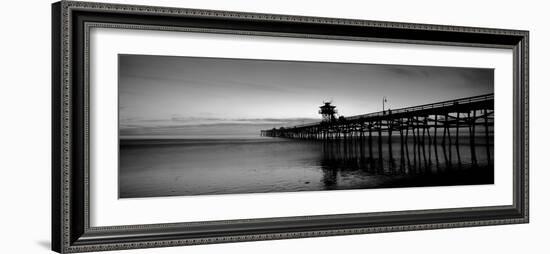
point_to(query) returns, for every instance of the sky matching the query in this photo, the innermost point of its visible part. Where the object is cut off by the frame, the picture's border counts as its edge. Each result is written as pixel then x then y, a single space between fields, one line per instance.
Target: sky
pixel 215 97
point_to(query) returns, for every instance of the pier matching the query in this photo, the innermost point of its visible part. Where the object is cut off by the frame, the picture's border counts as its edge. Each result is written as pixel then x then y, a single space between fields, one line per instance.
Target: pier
pixel 422 127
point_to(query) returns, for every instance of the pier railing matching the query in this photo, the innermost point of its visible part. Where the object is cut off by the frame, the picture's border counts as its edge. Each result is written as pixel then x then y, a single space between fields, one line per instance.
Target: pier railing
pixel 468 102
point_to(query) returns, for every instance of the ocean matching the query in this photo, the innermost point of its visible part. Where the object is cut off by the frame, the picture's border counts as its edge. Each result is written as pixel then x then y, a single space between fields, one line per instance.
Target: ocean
pixel 206 166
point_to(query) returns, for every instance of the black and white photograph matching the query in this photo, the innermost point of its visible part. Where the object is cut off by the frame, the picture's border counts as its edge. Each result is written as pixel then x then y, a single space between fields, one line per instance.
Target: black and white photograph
pixel 275 127
pixel 205 126
pixel 227 127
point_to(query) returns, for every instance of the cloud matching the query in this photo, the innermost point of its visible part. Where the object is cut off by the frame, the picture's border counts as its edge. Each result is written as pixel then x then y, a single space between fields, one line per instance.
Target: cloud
pixel 207 127
pixel 181 122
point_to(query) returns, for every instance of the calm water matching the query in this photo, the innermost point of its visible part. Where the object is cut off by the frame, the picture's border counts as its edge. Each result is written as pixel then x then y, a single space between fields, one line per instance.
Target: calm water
pixel 152 168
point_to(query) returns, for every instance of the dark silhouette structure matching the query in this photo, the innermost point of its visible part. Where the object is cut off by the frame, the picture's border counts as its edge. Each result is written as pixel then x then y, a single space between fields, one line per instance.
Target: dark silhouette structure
pixel 328 112
pixel 429 124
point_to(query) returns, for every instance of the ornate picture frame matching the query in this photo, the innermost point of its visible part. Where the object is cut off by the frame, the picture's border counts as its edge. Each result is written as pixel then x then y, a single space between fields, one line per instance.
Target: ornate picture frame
pixel 71 229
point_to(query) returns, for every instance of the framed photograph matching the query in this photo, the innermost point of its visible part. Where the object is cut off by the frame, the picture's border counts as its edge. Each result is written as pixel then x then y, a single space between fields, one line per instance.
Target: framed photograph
pixel 182 126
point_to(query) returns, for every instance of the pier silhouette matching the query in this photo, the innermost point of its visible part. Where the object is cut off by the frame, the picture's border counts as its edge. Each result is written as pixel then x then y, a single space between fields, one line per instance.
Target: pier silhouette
pixel 423 133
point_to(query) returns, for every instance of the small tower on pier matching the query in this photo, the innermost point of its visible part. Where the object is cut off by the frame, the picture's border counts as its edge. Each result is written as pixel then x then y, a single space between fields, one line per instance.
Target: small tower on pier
pixel 328 112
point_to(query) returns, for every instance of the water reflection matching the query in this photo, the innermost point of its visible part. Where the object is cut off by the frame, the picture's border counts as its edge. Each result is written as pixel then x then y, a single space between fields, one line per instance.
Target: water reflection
pixel 204 167
pixel 404 162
